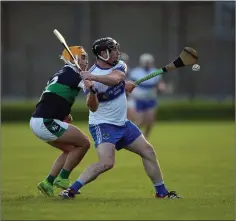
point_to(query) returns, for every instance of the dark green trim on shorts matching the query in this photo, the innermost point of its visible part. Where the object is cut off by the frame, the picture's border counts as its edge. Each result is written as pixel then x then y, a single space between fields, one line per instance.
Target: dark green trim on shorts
pixel 53 127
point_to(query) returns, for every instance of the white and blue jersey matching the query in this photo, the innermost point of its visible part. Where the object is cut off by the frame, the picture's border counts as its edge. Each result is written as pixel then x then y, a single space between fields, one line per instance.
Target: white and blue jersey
pixel 109 123
pixel 112 107
pixel 145 94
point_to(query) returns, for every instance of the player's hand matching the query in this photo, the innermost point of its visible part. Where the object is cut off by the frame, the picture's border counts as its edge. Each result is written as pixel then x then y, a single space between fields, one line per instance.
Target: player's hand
pixel 88 84
pixel 86 75
pixel 129 86
pixel 68 119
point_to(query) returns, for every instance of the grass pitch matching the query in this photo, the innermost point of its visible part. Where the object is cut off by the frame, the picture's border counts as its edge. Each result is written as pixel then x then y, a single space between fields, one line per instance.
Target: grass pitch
pixel 197 160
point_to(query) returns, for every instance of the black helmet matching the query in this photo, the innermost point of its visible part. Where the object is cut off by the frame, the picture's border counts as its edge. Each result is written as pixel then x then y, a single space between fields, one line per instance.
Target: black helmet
pixel 105 44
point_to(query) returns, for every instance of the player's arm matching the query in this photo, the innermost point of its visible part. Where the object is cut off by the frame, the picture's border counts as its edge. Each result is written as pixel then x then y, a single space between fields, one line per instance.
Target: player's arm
pixel 92 99
pixel 129 83
pixel 115 77
pixel 74 80
pixel 129 86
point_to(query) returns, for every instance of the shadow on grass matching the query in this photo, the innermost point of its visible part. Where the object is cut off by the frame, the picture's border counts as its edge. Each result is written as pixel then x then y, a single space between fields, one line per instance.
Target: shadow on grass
pixel 31 199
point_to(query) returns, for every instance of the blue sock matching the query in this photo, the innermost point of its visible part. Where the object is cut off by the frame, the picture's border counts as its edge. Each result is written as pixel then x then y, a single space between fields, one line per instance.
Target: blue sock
pixel 160 188
pixel 77 185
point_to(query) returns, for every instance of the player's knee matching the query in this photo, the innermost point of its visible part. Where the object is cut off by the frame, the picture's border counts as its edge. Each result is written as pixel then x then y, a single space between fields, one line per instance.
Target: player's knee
pixel 67 149
pixel 86 143
pixel 149 152
pixel 107 165
pixel 139 122
pixel 149 121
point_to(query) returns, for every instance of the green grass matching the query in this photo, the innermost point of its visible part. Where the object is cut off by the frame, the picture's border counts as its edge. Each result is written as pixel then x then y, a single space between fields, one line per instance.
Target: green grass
pixel 197 160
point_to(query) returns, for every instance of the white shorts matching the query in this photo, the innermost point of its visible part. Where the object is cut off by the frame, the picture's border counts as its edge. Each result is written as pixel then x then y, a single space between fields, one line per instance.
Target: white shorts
pixel 48 129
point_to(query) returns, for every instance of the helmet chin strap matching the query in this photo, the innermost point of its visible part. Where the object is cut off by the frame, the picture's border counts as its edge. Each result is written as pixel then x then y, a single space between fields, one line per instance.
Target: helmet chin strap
pixel 106 59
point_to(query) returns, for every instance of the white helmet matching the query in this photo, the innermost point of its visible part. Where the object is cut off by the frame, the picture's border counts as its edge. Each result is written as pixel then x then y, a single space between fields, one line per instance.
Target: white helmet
pixel 146 58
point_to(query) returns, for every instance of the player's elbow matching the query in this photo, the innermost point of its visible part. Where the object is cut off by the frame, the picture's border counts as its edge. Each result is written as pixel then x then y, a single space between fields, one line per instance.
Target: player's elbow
pixel 92 105
pixel 116 81
pixel 93 108
pixel 119 79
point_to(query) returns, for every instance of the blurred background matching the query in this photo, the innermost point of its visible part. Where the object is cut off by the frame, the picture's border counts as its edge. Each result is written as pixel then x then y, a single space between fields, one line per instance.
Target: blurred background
pixel 194 132
pixel 30 51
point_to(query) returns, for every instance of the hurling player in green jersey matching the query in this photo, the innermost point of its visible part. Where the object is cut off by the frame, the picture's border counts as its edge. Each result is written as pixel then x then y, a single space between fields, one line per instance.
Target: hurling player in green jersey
pixel 51 120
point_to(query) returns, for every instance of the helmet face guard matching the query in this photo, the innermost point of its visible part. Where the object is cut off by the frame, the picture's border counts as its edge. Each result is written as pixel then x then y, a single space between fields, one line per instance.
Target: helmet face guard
pixel 105 44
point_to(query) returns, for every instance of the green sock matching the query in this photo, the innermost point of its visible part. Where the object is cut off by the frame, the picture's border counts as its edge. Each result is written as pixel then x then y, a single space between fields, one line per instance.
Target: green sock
pixel 64 174
pixel 50 178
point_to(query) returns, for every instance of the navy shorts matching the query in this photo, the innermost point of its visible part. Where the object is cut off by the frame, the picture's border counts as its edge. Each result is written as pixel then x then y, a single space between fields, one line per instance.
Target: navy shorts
pixel 120 136
pixel 142 105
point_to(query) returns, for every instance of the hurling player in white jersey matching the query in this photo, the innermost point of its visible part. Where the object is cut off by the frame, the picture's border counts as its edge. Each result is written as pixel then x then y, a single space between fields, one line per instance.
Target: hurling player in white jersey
pixel 109 126
pixel 144 96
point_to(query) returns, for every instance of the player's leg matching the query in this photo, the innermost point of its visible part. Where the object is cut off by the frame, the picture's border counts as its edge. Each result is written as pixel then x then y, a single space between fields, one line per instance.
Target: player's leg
pixel 76 144
pixel 139 118
pixel 140 112
pixel 46 185
pixel 58 165
pixel 131 110
pixel 143 148
pixel 149 121
pixel 59 162
pixel 70 140
pixel 146 108
pixel 136 143
pixel 105 137
pixel 106 156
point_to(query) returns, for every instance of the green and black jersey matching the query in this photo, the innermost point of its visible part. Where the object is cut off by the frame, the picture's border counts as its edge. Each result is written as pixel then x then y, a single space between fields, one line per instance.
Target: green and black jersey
pixel 59 95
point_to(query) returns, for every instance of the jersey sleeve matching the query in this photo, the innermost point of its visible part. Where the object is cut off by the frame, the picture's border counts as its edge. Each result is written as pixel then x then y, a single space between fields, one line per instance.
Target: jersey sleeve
pixel 86 91
pixel 71 78
pixel 121 66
